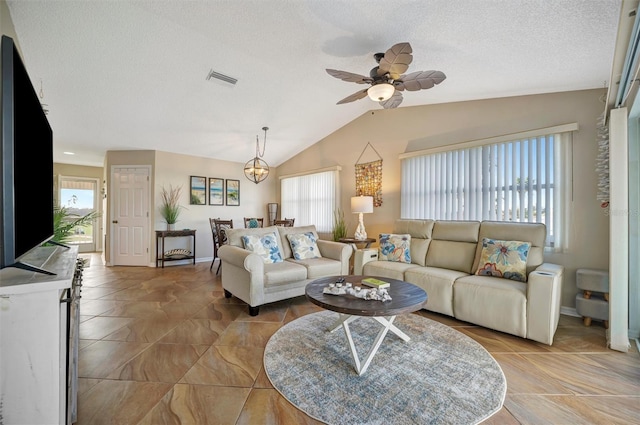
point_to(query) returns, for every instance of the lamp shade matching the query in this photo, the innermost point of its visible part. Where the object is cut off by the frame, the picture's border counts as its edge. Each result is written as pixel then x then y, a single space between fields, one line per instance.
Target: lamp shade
pixel 362 204
pixel 381 91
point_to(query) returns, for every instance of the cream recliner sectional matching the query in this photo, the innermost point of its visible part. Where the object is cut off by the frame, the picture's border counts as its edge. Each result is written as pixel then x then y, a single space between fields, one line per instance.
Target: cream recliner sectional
pixel 444 258
pixel 245 274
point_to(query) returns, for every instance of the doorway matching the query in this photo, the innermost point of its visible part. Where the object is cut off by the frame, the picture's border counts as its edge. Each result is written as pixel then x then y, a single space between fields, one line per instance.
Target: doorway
pixel 79 195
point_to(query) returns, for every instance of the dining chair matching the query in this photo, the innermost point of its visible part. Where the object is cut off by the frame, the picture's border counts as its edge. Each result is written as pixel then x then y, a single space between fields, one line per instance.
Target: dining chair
pixel 250 222
pixel 219 228
pixel 285 222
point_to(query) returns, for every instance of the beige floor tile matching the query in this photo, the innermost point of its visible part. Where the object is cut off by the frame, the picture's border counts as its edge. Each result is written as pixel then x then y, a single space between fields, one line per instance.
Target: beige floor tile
pixel 101 358
pixel 144 330
pixel 99 327
pixel 198 404
pixel 254 334
pixel 195 331
pixel 226 366
pixel 267 406
pixel 160 363
pixel 119 402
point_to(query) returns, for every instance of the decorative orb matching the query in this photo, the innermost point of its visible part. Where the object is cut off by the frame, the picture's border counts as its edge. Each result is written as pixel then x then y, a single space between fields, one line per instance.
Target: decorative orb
pixel 256 170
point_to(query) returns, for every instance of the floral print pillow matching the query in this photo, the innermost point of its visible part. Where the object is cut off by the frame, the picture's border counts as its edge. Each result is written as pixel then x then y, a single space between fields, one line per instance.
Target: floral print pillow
pixel 304 246
pixel 265 246
pixel 395 248
pixel 506 259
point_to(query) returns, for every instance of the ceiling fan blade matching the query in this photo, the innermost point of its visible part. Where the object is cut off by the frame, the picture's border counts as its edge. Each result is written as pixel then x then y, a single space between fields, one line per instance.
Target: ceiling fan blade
pixel 356 96
pixel 396 60
pixel 393 102
pixel 349 76
pixel 420 80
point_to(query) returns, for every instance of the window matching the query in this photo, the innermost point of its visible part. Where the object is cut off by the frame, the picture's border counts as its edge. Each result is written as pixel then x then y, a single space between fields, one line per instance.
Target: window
pixel 311 198
pixel 524 179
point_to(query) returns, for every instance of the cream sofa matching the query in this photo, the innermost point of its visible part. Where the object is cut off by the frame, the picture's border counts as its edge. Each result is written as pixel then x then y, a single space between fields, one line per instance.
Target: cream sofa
pixel 444 258
pixel 245 274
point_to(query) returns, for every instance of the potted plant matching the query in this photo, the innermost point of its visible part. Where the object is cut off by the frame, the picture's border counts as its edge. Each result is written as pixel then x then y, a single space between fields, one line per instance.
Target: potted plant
pixel 169 205
pixel 64 223
pixel 339 226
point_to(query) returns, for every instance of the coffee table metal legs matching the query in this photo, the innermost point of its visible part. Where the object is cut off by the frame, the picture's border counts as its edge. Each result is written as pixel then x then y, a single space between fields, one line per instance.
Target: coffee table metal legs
pixel 387 325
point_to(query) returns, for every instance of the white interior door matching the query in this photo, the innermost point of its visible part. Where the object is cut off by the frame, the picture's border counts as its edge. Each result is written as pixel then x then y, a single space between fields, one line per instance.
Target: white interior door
pixel 130 216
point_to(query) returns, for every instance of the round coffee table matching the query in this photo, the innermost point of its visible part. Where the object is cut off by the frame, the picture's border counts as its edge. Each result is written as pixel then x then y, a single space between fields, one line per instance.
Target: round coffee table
pixel 405 298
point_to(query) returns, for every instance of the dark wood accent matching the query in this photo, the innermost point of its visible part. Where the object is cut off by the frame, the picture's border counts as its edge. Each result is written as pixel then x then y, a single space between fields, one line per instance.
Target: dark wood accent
pixel 405 297
pixel 161 234
pixel 253 311
pixel 227 294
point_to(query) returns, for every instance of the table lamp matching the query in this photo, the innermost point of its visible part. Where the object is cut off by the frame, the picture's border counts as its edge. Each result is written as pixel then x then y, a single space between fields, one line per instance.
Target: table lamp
pixel 360 205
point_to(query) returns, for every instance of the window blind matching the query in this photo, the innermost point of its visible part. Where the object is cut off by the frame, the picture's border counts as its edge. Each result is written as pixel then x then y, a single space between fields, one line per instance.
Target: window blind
pixel 522 180
pixel 310 198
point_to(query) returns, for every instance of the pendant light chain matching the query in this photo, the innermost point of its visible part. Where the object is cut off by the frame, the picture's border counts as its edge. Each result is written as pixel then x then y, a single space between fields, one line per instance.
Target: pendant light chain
pixel 264 146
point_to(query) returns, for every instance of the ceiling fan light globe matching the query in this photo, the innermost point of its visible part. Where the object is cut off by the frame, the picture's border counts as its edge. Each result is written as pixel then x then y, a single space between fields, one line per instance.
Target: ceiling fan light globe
pixel 381 92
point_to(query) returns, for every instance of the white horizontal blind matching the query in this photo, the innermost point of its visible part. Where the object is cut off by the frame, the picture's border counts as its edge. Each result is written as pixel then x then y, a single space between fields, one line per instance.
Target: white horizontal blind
pixel 517 180
pixel 310 198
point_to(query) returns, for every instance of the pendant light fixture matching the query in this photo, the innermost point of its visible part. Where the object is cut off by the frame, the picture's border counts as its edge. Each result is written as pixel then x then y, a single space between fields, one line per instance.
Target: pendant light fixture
pixel 257 169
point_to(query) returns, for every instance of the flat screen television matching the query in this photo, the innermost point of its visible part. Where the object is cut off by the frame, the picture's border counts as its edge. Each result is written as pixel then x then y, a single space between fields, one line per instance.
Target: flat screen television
pixel 26 179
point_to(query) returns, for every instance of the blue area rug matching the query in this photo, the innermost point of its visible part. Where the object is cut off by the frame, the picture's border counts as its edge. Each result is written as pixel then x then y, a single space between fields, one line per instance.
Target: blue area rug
pixel 440 376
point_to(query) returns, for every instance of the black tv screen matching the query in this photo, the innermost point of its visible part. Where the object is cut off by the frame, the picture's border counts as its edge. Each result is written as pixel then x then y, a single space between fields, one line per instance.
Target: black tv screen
pixel 27 162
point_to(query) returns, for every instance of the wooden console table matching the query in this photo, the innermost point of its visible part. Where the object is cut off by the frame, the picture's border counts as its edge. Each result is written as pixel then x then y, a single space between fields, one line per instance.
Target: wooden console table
pixel 161 234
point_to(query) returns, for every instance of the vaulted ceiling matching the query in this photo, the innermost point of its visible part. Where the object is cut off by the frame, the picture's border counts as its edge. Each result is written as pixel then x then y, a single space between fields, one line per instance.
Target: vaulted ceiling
pixel 121 75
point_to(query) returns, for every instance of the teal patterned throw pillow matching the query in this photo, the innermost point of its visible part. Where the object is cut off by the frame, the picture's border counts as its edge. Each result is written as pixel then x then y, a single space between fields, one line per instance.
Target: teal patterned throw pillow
pixel 304 246
pixel 395 248
pixel 506 259
pixel 253 223
pixel 265 246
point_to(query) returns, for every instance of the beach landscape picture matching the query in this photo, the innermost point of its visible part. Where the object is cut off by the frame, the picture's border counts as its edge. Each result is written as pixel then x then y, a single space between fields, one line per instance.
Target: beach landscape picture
pixel 197 195
pixel 216 189
pixel 233 192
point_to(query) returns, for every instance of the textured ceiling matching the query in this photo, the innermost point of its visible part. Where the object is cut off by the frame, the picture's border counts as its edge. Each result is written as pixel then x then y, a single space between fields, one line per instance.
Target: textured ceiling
pixel 121 75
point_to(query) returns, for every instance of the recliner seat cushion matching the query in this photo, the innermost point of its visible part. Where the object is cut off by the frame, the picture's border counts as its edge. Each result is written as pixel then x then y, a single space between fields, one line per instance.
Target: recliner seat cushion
pixel 492 302
pixel 390 269
pixel 438 284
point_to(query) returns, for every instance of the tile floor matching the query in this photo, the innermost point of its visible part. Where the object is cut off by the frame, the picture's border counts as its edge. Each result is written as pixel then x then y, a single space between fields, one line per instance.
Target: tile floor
pixel 163 346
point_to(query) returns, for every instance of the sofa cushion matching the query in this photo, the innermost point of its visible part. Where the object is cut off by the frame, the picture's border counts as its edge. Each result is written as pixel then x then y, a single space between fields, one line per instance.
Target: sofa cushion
pixel 234 236
pixel 438 284
pixel 319 267
pixel 395 248
pixel 506 259
pixel 283 273
pixel 535 233
pixel 284 231
pixel 459 238
pixel 266 246
pixel 492 302
pixel 390 269
pixel 303 245
pixel 420 231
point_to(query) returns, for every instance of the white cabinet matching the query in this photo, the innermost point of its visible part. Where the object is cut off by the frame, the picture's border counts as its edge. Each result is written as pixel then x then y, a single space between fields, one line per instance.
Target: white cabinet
pixel 33 338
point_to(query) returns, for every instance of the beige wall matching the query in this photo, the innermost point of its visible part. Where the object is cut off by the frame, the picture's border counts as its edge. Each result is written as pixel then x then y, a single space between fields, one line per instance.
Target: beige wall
pixel 175 170
pixel 396 131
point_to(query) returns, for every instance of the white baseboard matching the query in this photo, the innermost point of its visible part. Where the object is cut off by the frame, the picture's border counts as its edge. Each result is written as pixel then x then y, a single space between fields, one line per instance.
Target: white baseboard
pixel 569 311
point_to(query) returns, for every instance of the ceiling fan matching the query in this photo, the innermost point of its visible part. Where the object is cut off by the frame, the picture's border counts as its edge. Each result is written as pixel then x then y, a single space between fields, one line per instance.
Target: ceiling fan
pixel 387 80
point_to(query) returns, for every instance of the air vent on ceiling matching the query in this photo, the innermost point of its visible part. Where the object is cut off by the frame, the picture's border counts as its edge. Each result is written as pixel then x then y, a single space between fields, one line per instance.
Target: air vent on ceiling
pixel 221 77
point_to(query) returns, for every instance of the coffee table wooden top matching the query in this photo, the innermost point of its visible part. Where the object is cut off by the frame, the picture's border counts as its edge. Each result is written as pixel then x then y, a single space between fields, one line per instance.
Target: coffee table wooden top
pixel 405 297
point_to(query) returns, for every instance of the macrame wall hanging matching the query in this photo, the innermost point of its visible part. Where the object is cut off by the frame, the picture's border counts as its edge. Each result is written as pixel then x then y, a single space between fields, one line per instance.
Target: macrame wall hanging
pixel 602 162
pixel 369 177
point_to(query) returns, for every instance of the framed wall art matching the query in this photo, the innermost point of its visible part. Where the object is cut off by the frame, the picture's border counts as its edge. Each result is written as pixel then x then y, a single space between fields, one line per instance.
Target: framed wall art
pixel 233 192
pixel 198 190
pixel 216 191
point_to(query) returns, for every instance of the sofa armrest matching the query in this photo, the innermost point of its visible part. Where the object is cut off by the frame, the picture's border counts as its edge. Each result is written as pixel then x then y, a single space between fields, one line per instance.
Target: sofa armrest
pixel 362 257
pixel 336 251
pixel 242 274
pixel 544 290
